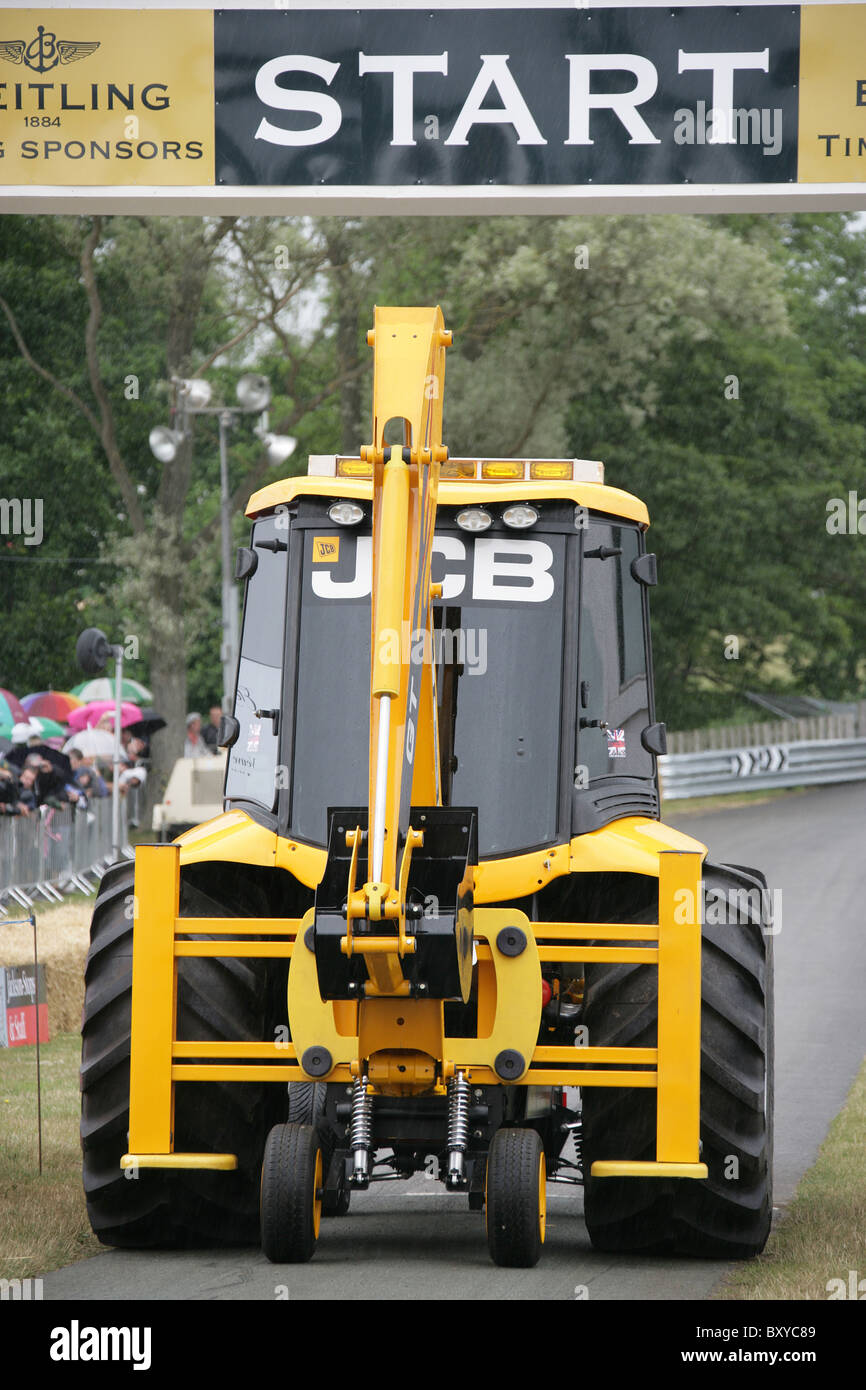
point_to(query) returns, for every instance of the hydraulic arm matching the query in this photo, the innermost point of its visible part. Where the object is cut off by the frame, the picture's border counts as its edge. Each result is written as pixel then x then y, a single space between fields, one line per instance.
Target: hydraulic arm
pixel 400 953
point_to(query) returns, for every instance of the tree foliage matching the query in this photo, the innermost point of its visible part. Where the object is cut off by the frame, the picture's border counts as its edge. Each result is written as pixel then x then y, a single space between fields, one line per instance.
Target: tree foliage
pixel 716 365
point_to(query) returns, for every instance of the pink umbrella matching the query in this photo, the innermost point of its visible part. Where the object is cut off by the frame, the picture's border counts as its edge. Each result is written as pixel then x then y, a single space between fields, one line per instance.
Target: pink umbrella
pixel 86 716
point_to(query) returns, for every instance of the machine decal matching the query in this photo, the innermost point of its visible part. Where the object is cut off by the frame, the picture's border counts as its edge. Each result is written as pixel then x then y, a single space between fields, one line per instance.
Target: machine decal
pixel 616 743
pixel 326 550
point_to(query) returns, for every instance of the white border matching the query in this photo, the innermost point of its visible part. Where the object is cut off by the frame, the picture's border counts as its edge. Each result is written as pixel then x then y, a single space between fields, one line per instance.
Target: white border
pixel 433 201
pixel 287 6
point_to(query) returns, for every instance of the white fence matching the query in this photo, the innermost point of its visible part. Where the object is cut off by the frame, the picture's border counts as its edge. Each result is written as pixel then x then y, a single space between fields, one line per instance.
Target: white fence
pixel 767 732
pixel 52 851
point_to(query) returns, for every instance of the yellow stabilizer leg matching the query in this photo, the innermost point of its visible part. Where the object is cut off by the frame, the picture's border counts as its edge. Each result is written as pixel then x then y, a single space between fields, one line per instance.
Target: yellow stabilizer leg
pixel 222 1162
pixel 623 1168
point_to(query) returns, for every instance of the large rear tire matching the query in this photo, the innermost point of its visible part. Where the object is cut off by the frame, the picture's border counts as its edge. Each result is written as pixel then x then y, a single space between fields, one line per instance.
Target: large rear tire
pixel 726 1216
pixel 218 1000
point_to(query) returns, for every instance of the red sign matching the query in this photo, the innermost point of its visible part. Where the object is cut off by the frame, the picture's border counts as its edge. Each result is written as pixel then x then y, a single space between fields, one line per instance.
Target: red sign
pixel 18 1003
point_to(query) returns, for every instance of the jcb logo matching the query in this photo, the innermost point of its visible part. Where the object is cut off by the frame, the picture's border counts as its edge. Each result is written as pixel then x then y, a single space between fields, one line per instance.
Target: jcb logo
pixel 326 550
pixel 501 569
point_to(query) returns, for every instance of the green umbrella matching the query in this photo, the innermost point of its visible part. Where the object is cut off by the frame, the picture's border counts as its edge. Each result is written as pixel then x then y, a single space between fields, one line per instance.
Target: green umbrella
pixel 102 688
pixel 50 728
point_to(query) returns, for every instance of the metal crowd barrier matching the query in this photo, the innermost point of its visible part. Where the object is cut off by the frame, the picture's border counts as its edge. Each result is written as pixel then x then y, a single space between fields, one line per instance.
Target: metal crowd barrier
pixel 718 771
pixel 52 852
pixel 55 851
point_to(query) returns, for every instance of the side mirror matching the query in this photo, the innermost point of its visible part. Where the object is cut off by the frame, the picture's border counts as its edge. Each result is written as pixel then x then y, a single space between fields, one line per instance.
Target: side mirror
pixel 228 732
pixel 645 569
pixel 92 651
pixel 246 562
pixel 655 739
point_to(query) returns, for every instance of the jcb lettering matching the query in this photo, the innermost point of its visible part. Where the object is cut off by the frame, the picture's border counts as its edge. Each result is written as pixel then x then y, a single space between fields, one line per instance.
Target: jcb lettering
pixel 503 570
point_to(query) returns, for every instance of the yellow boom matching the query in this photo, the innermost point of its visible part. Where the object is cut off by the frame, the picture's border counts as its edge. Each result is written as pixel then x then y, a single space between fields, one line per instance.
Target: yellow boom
pixel 408 383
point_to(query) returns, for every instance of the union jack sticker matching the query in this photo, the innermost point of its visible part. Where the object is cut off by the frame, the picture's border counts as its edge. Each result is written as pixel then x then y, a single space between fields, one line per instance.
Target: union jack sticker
pixel 616 743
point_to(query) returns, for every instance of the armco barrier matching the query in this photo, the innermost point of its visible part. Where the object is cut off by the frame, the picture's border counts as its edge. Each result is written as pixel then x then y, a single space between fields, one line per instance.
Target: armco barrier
pixel 55 850
pixel 51 850
pixel 721 770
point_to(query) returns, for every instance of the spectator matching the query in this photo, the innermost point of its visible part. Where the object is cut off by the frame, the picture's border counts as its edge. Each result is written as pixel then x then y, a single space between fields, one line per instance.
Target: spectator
pixel 85 775
pixel 10 803
pixel 85 781
pixel 210 732
pixel 193 746
pixel 49 786
pixel 27 795
pixel 24 736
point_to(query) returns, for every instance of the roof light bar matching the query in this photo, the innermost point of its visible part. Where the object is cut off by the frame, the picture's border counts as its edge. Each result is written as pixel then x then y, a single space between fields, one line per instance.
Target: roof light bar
pixel 467 470
pixel 503 470
pixel 353 468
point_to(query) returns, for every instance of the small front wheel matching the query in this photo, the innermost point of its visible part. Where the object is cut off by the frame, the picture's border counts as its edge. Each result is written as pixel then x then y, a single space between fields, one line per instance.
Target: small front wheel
pixel 516 1198
pixel 291 1193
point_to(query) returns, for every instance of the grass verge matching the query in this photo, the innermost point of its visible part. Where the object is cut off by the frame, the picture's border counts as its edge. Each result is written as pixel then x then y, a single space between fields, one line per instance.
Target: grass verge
pixel 63 935
pixel 687 805
pixel 43 1220
pixel 822 1235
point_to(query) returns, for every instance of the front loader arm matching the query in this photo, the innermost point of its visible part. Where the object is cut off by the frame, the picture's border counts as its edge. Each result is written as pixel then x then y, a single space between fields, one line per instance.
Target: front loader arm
pixel 408 382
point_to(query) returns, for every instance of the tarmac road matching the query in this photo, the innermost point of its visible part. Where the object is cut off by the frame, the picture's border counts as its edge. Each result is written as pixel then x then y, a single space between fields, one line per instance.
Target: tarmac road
pixel 411 1240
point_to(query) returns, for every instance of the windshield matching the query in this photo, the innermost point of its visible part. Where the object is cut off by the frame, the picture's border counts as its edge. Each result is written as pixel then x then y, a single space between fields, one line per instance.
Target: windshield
pixel 332 721
pixel 253 760
pixel 499 681
pixel 498 653
pixel 614 691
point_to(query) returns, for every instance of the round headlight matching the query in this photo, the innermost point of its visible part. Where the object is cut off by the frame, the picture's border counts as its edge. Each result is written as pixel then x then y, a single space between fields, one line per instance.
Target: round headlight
pixel 474 519
pixel 520 517
pixel 346 513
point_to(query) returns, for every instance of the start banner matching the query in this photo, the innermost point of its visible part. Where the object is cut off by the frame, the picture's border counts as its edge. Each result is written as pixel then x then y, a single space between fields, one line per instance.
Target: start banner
pixel 383 97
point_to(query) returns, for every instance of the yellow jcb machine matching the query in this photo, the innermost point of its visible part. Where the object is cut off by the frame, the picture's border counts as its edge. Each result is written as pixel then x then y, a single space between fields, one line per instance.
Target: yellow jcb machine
pixel 439 927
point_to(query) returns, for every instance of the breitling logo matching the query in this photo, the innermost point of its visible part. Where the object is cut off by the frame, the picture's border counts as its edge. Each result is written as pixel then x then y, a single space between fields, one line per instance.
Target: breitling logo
pixel 45 51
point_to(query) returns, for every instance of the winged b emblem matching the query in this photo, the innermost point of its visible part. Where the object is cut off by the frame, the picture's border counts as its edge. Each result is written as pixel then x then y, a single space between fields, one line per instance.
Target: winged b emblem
pixel 45 51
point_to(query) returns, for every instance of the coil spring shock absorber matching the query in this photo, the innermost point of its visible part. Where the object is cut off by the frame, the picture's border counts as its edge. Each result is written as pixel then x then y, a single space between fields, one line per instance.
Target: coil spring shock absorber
pixel 458 1128
pixel 361 1132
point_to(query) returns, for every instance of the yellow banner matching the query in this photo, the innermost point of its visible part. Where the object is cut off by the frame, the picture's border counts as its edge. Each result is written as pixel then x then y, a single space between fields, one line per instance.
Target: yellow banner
pixel 118 97
pixel 832 135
